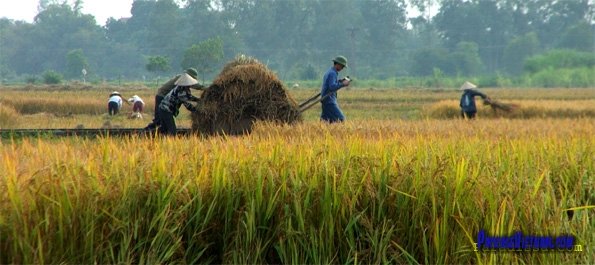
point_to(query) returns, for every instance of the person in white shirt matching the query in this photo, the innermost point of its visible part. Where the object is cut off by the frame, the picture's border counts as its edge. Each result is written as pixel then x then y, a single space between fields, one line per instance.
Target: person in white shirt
pixel 115 103
pixel 138 105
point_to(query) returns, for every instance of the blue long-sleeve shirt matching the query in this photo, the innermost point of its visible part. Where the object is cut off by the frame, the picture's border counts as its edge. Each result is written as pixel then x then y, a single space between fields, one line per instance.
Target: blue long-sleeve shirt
pixel 468 100
pixel 330 84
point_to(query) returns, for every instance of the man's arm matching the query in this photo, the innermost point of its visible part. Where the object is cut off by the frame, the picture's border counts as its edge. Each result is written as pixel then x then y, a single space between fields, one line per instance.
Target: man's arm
pixel 185 97
pixel 332 83
pixel 477 93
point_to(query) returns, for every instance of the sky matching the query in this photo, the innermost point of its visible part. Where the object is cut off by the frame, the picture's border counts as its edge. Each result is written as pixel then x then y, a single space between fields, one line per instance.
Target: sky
pixel 102 9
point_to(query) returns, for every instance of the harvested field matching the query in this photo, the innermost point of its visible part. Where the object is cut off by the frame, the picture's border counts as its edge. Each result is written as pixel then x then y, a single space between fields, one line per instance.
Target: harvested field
pixel 525 109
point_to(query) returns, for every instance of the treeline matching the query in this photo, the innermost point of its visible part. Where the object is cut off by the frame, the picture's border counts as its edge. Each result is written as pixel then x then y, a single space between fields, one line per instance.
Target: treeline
pixel 298 38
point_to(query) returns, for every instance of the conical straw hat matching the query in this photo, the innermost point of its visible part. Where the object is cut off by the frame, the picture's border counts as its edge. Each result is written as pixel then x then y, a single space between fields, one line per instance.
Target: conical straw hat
pixel 467 85
pixel 186 80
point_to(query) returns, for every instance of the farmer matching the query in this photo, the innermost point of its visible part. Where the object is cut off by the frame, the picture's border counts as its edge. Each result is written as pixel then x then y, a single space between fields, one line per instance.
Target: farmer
pixel 115 103
pixel 138 105
pixel 166 88
pixel 467 104
pixel 330 84
pixel 171 103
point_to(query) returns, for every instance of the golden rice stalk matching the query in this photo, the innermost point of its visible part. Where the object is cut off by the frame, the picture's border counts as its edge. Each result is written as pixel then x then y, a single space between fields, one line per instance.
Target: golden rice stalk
pixel 496 104
pixel 240 59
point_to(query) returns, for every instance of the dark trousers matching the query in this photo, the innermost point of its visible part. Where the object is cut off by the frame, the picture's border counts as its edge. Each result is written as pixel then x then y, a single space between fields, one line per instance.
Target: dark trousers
pixel 138 107
pixel 167 124
pixel 155 121
pixel 112 108
pixel 468 114
pixel 331 113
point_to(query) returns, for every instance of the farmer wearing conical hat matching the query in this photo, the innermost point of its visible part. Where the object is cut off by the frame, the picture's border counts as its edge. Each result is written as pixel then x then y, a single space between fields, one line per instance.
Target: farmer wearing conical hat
pixel 330 84
pixel 171 103
pixel 166 88
pixel 467 104
pixel 138 105
pixel 115 103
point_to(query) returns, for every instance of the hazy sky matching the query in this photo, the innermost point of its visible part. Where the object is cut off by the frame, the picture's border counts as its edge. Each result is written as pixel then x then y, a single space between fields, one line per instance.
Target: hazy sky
pixel 101 9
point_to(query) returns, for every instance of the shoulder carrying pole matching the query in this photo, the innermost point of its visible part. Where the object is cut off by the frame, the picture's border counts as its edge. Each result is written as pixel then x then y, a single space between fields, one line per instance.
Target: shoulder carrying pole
pixel 311 105
pixel 310 100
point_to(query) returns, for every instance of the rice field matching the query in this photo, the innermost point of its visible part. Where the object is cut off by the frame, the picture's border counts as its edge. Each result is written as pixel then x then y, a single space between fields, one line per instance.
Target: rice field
pixel 55 107
pixel 391 185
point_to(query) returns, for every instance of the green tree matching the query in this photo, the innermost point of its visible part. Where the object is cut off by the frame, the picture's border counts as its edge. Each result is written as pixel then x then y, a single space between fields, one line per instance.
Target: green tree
pixel 75 63
pixel 51 78
pixel 135 30
pixel 548 18
pixel 157 64
pixel 380 38
pixel 426 59
pixel 9 45
pixel 559 59
pixel 558 16
pixel 57 30
pixel 579 37
pixel 163 31
pixel 517 50
pixel 464 60
pixel 204 56
pixel 116 30
pixel 483 22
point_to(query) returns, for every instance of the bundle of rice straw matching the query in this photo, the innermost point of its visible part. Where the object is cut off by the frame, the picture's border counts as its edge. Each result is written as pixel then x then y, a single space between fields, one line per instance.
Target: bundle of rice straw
pixel 498 105
pixel 244 92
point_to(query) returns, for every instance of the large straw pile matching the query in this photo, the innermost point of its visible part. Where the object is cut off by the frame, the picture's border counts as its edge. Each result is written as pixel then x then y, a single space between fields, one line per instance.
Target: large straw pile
pixel 244 92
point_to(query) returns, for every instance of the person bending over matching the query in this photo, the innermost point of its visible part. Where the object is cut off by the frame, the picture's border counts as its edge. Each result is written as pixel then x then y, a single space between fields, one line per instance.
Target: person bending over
pixel 171 103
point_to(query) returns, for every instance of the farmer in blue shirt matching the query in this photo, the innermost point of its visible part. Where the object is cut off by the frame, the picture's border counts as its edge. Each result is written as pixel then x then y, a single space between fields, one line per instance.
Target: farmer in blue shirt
pixel 467 104
pixel 330 84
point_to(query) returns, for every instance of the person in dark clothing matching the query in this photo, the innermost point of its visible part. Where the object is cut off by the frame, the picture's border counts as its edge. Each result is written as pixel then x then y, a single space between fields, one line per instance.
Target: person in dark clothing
pixel 330 84
pixel 114 104
pixel 171 103
pixel 165 89
pixel 467 104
